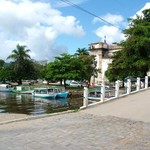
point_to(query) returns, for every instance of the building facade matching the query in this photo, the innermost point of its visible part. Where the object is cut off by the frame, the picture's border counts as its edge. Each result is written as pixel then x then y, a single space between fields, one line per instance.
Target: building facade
pixel 102 52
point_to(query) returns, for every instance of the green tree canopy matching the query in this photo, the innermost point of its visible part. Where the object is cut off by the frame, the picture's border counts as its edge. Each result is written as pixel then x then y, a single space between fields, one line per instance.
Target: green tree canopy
pixel 7 73
pixel 2 62
pixel 80 66
pixel 22 64
pixel 82 51
pixel 88 64
pixel 134 59
pixel 64 67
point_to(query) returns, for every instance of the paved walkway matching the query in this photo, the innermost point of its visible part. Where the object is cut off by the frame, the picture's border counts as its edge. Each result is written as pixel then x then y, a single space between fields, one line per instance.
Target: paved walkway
pixel 135 107
pixel 110 126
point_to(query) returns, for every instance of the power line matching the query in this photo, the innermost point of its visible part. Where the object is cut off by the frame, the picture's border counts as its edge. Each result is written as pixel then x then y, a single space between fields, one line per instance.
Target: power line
pixel 90 13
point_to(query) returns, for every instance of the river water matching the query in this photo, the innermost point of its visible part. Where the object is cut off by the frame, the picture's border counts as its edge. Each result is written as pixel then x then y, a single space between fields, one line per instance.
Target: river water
pixel 26 104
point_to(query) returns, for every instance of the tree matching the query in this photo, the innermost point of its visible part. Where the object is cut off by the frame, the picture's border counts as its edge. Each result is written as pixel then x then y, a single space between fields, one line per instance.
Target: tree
pixel 117 70
pixel 2 62
pixel 80 66
pixel 82 51
pixel 88 64
pixel 22 65
pixel 39 70
pixel 64 67
pixel 7 73
pixel 134 59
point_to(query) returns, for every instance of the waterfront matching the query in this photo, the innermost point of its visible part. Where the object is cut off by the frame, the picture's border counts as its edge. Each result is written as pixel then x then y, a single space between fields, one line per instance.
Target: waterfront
pixel 26 104
pixel 122 124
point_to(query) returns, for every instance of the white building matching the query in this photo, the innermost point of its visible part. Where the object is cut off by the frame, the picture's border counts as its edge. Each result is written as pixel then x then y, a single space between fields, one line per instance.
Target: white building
pixel 102 52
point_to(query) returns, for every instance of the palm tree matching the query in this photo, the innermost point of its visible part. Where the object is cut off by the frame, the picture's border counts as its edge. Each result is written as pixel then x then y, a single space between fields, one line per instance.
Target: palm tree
pixel 21 59
pixel 82 51
pixel 19 54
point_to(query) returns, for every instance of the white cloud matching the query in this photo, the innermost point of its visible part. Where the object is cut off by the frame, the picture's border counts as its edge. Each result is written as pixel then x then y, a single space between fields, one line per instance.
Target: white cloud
pixel 111 18
pixel 147 6
pixel 36 25
pixel 112 34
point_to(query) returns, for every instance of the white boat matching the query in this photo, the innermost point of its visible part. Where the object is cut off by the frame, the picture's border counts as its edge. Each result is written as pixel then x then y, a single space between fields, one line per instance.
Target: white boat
pixel 6 88
pixel 50 92
pixel 44 92
pixel 61 93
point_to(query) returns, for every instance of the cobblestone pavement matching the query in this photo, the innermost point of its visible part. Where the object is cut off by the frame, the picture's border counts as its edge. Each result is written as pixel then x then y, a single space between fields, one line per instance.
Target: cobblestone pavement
pixel 75 131
pixel 118 125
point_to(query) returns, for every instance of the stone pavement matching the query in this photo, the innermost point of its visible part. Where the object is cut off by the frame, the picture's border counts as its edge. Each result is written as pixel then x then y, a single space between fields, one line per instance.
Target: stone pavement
pixel 135 106
pixel 89 129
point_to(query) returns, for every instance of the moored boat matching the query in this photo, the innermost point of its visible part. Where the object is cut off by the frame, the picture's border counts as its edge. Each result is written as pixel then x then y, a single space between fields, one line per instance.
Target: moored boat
pixel 6 88
pixel 50 92
pixel 61 93
pixel 23 90
pixel 44 92
pixel 95 93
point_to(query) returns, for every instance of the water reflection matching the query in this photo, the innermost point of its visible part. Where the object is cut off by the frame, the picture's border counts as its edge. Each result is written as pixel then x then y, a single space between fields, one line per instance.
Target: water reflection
pixel 26 104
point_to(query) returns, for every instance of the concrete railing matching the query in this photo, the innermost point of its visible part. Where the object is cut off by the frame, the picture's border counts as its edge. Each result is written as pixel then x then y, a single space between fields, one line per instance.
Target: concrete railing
pixel 139 84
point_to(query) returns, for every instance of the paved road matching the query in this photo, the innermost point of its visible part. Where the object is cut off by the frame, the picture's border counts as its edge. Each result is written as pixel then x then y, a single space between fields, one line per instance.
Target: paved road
pixel 91 129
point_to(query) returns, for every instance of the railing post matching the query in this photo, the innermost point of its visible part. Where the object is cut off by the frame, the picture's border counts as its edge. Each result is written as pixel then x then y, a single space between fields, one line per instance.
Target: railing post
pixel 102 91
pixel 128 86
pixel 85 99
pixel 146 82
pixel 117 89
pixel 138 84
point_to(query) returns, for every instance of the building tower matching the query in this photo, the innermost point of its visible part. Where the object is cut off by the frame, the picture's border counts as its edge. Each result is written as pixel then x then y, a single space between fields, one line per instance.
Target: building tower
pixel 102 52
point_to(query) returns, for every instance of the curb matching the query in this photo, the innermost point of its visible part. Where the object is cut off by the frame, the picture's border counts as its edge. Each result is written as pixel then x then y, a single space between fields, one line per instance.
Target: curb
pixel 36 117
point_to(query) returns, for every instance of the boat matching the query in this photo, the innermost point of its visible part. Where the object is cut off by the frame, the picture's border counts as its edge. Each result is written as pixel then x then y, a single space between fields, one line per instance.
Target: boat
pixel 97 93
pixel 23 90
pixel 6 88
pixel 44 92
pixel 50 92
pixel 61 93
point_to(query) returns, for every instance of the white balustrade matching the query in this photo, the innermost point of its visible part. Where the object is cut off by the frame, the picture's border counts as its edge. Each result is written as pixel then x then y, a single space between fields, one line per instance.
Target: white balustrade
pixel 128 86
pixel 117 89
pixel 138 84
pixel 102 91
pixel 146 82
pixel 102 98
pixel 85 99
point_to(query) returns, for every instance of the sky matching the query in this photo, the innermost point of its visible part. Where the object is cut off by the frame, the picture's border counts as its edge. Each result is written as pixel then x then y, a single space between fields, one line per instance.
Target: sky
pixel 52 27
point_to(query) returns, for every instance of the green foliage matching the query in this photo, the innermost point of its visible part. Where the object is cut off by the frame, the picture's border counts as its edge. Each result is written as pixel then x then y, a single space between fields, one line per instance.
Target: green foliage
pixel 64 67
pixel 71 67
pixel 37 70
pixel 82 51
pixel 134 59
pixel 2 62
pixel 22 66
pixel 88 64
pixel 7 73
